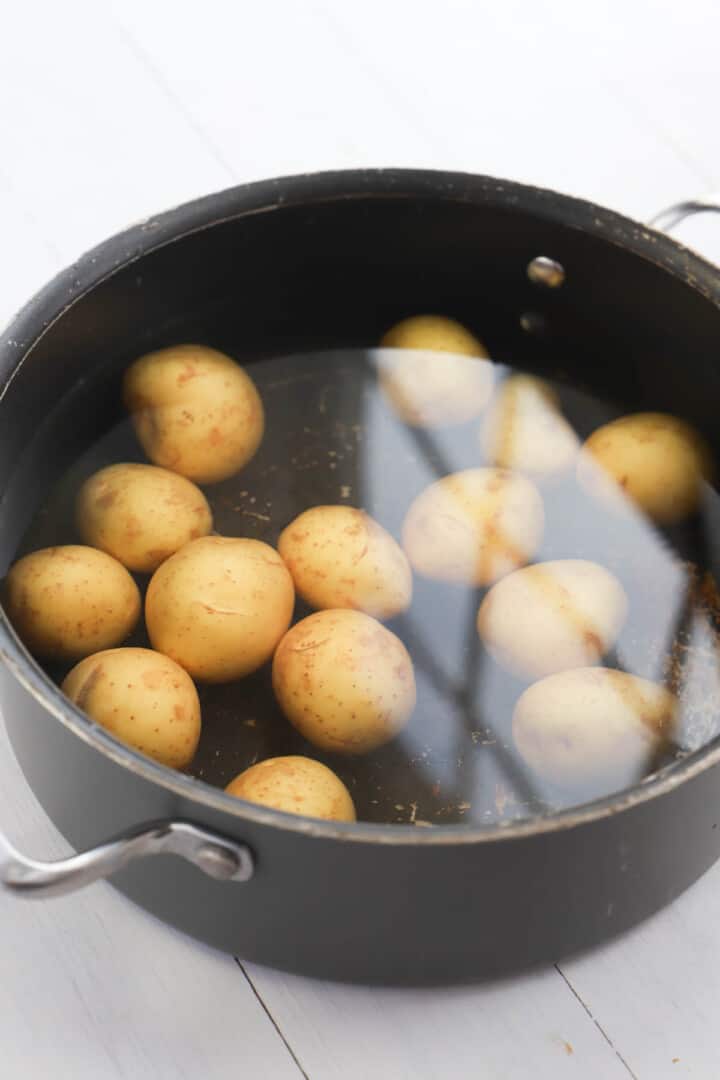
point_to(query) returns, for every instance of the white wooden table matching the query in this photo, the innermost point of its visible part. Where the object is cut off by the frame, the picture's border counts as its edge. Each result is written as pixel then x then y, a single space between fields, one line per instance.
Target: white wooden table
pixel 112 111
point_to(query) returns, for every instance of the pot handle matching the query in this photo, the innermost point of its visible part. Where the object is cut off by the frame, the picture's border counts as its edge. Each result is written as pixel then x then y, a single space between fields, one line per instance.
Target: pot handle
pixel 673 215
pixel 215 855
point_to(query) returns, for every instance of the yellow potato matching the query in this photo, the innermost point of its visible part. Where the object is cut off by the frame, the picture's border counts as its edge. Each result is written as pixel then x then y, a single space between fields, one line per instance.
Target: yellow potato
pixel 340 557
pixel 67 602
pixel 435 333
pixel 524 429
pixel 297 785
pixel 474 526
pixel 657 461
pixel 552 616
pixel 433 372
pixel 140 514
pixel 195 411
pixel 143 698
pixel 593 730
pixel 219 606
pixel 344 681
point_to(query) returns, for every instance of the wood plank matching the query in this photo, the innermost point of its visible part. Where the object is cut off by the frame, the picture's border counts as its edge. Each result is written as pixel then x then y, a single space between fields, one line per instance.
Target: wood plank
pixel 498 1031
pixel 92 987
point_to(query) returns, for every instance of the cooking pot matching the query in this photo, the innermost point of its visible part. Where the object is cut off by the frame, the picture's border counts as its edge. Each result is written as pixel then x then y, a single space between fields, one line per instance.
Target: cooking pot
pixel 330 260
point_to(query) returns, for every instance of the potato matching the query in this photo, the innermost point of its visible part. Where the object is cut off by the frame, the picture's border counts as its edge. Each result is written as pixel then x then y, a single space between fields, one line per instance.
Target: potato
pixel 344 681
pixel 434 333
pixel 524 429
pixel 340 557
pixel 143 698
pixel 219 606
pixel 657 461
pixel 297 785
pixel 552 616
pixel 474 526
pixel 433 372
pixel 67 602
pixel 593 730
pixel 140 514
pixel 195 411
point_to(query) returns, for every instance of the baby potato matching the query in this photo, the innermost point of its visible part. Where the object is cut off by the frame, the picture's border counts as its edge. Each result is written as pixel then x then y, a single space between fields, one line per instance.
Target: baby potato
pixel 340 557
pixel 552 616
pixel 219 606
pixel 67 602
pixel 195 411
pixel 657 461
pixel 433 333
pixel 524 429
pixel 140 514
pixel 593 730
pixel 143 698
pixel 433 372
pixel 473 527
pixel 344 681
pixel 297 785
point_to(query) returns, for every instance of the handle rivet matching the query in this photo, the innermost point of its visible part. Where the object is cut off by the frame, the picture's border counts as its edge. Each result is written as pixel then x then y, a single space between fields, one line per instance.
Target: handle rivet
pixel 546 272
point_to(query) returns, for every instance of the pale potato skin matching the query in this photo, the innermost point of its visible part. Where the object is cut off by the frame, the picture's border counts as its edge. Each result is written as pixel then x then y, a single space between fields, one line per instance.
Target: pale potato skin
pixel 436 333
pixel 195 411
pixel 297 785
pixel 552 616
pixel 143 698
pixel 340 557
pixel 344 681
pixel 69 601
pixel 657 461
pixel 433 372
pixel 474 526
pixel 524 429
pixel 140 514
pixel 219 606
pixel 593 730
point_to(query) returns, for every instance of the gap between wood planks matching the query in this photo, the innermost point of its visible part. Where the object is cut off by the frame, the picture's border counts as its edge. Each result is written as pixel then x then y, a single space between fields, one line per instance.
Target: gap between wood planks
pixel 272 1019
pixel 595 1021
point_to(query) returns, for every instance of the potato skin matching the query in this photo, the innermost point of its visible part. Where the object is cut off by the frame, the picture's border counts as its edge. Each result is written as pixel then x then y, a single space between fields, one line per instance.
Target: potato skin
pixel 70 601
pixel 433 372
pixel 552 617
pixel 435 333
pixel 219 606
pixel 340 557
pixel 296 785
pixel 473 527
pixel 593 730
pixel 143 698
pixel 656 460
pixel 524 429
pixel 344 681
pixel 195 411
pixel 140 514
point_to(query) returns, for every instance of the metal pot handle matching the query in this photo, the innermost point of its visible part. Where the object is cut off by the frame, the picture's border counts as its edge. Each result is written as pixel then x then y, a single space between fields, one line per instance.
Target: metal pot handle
pixel 215 855
pixel 673 215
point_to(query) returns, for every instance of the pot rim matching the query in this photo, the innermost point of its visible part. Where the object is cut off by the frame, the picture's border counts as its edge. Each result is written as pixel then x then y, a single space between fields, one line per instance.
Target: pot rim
pixel 69 286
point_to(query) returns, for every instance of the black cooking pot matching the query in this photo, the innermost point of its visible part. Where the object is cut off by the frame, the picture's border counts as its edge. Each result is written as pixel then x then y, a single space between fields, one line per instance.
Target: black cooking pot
pixel 331 260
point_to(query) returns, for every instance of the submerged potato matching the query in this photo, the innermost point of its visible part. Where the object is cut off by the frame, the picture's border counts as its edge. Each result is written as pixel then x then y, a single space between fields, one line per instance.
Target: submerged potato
pixel 219 606
pixel 195 411
pixel 67 602
pixel 340 557
pixel 552 616
pixel 474 526
pixel 593 730
pixel 524 429
pixel 143 698
pixel 344 681
pixel 657 461
pixel 297 785
pixel 433 372
pixel 140 514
